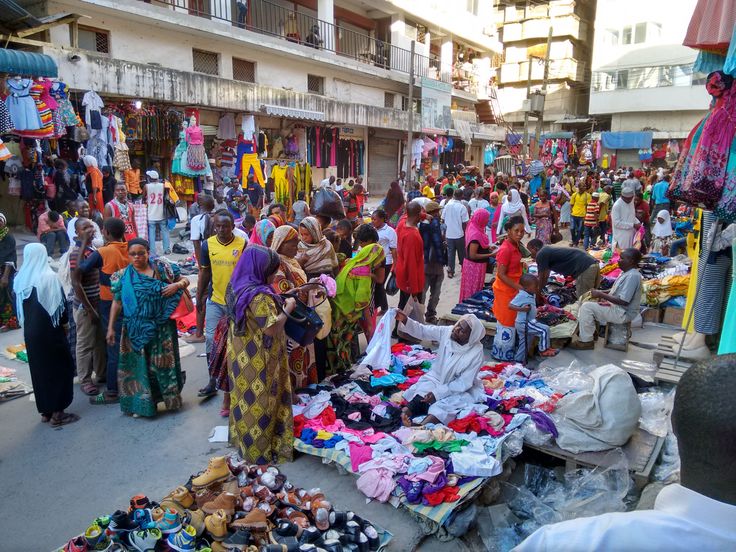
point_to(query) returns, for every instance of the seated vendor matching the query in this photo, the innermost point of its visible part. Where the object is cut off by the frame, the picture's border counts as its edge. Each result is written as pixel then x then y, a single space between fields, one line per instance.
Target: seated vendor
pixel 567 261
pixel 452 384
pixel 619 306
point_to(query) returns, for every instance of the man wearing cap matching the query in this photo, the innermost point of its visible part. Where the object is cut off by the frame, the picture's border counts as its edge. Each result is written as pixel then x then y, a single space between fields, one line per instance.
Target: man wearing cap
pixel 623 218
pixel 153 195
pixel 435 258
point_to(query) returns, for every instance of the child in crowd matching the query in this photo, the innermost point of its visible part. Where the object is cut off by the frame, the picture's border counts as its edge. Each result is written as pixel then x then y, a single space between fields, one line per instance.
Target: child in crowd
pixel 344 230
pixel 592 214
pixel 526 319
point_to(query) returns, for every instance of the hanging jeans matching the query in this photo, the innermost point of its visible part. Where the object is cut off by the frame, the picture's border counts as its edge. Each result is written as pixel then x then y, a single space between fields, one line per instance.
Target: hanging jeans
pixel 251 161
pixel 163 226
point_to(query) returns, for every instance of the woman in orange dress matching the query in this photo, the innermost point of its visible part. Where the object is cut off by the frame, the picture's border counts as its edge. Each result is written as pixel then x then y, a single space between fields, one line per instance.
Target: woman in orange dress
pixel 505 288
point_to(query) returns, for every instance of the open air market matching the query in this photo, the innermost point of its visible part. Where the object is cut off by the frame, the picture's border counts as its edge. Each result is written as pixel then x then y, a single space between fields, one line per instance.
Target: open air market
pixel 360 276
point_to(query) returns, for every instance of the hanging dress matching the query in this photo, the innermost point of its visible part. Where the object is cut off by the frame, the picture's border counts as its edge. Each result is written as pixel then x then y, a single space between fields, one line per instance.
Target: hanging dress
pixel 53 106
pixel 179 154
pixel 47 124
pixel 65 109
pixel 728 335
pixel 21 106
pixel 6 124
pixel 196 156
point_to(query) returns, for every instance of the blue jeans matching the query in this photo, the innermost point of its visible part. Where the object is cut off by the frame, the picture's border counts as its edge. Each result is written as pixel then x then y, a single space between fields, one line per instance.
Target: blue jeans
pixel 113 351
pixel 212 316
pixel 577 229
pixel 164 227
pixel 589 233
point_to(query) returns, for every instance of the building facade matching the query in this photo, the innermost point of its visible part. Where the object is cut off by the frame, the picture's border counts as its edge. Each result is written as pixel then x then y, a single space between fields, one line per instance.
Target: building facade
pixel 292 64
pixel 642 75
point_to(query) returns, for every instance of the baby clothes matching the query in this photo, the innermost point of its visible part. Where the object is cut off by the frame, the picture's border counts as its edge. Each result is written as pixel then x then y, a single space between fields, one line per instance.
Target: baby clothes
pixel 21 106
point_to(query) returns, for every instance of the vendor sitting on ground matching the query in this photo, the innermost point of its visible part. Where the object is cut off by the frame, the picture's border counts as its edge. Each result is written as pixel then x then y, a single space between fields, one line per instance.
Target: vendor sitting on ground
pixel 567 261
pixel 617 307
pixel 452 383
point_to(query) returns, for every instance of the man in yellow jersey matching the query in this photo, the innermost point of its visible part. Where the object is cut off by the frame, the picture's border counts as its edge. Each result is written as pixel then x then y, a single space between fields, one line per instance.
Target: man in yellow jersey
pixel 219 255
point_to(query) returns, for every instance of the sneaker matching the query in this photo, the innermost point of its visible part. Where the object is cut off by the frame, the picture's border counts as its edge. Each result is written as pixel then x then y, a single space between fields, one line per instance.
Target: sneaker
pixel 120 522
pixel 145 540
pixel 77 544
pixel 143 518
pixel 217 470
pixel 102 521
pixel 93 535
pixel 182 541
pixel 139 501
pixel 169 523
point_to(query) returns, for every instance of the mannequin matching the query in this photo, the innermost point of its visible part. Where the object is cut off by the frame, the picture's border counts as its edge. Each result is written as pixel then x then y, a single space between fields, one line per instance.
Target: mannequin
pixel 712 273
pixel 196 156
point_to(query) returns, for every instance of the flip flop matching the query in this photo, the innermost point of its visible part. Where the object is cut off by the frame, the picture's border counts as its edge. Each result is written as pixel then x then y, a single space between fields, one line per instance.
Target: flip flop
pixel 103 398
pixel 90 389
pixel 67 418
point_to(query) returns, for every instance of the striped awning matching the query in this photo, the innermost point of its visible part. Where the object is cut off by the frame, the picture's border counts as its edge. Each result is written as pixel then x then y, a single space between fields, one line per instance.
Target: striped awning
pixel 18 62
pixel 292 113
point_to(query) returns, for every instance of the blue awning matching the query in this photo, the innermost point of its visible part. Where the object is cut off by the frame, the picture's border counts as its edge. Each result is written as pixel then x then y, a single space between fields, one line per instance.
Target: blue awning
pixel 627 140
pixel 18 62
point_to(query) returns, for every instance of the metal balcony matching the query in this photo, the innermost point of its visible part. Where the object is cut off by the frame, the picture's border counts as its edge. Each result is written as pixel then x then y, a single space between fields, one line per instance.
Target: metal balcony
pixel 264 17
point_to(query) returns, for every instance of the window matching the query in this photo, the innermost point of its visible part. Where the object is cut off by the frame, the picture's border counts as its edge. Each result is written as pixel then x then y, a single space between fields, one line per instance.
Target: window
pixel 627 35
pixel 610 37
pixel 640 33
pixel 622 79
pixel 472 6
pixel 94 40
pixel 243 70
pixel 315 84
pixel 205 62
pixel 388 100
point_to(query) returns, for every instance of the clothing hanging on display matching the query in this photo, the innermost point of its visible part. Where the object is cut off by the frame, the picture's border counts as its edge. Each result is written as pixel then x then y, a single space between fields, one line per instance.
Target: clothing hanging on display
pixel 322 146
pixel 712 269
pixel 93 105
pixel 250 162
pixel 196 156
pixel 350 158
pixel 226 127
pixel 21 106
pixel 727 342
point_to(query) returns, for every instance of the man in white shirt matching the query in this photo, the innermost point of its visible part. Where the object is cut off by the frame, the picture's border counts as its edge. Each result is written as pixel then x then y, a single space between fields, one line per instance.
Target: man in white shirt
pixel 624 223
pixel 153 195
pixel 328 183
pixel 699 513
pixel 478 201
pixel 387 239
pixel 455 216
pixel 82 208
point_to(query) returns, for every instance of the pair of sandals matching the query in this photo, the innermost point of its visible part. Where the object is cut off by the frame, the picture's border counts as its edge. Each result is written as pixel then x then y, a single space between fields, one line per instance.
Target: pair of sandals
pixel 58 421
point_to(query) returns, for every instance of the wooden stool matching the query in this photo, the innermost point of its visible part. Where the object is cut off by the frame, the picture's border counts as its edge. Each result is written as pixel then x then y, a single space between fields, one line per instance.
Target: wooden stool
pixel 617 336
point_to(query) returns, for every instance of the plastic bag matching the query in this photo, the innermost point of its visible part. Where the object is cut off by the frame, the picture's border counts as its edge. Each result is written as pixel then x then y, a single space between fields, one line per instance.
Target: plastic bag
pixel 533 435
pixel 574 378
pixel 378 352
pixel 656 407
pixel 391 287
pixel 669 462
pixel 327 203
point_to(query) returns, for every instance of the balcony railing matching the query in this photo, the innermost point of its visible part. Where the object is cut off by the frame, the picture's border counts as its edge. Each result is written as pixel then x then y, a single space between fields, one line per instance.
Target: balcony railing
pixel 261 16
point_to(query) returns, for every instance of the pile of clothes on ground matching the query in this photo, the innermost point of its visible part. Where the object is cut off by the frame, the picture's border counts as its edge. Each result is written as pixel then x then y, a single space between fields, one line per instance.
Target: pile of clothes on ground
pixel 559 291
pixel 359 415
pixel 231 506
pixel 480 304
pixel 10 386
pixel 665 280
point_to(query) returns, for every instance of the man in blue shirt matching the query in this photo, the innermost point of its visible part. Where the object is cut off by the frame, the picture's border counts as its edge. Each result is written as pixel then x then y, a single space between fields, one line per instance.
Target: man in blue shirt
pixel 659 198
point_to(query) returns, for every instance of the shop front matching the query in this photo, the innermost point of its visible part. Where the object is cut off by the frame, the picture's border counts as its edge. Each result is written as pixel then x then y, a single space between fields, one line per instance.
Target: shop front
pixel 383 159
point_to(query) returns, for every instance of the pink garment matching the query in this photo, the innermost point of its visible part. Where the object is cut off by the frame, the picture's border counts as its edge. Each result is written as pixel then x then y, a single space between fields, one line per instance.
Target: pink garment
pixel 359 454
pixel 433 472
pixel 711 26
pixel 194 136
pixel 378 484
pixel 46 96
pixel 473 277
pixel 476 230
pixel 374 438
pixel 395 463
pixel 317 424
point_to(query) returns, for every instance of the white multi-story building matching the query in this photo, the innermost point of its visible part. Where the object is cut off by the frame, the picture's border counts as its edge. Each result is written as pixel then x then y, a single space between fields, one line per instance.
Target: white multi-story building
pixel 342 63
pixel 642 75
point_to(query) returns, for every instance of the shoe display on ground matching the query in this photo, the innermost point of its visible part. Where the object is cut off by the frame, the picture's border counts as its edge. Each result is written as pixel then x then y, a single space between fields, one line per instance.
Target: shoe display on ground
pixel 259 511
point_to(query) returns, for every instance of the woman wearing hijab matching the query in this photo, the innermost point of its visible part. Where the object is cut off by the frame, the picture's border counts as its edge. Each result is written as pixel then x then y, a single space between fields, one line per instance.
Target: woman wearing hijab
pixel 477 253
pixel 108 185
pixel 145 294
pixel 316 253
pixel 42 312
pixel 662 233
pixel 452 384
pixel 261 420
pixel 353 298
pixel 394 204
pixel 262 233
pixel 8 262
pixel 288 277
pixel 94 185
pixel 511 207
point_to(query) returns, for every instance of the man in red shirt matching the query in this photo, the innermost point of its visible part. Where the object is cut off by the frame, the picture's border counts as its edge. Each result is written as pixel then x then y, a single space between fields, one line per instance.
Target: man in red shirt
pixel 409 262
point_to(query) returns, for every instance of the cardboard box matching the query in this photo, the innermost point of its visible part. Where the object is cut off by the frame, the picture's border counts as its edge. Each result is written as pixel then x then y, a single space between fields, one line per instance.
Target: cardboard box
pixel 673 316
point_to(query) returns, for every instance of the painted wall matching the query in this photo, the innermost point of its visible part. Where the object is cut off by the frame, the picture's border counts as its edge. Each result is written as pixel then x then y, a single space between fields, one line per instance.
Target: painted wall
pixel 643 100
pixel 678 123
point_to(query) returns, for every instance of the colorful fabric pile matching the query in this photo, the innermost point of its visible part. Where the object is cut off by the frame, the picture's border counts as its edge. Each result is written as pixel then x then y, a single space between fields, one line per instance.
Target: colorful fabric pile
pixel 661 290
pixel 355 420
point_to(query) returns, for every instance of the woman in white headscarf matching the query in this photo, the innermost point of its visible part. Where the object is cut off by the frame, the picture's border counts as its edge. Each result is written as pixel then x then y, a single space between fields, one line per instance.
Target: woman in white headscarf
pixel 662 233
pixel 512 206
pixel 452 384
pixel 42 312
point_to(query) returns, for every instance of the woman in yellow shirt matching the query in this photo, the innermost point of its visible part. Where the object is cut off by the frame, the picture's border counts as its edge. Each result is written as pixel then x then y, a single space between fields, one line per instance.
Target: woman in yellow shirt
pixel 578 204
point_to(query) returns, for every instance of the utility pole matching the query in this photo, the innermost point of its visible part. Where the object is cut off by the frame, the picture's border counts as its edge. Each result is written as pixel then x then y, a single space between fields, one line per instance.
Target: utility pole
pixel 540 117
pixel 410 134
pixel 525 142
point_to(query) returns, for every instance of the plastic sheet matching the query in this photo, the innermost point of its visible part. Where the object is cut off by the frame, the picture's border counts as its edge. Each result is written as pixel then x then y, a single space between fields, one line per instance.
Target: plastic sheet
pixel 656 407
pixel 533 435
pixel 575 377
pixel 327 203
pixel 668 467
pixel 545 497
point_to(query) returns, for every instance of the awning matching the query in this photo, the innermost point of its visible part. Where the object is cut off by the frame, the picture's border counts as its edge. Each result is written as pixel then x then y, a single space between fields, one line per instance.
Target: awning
pixel 627 140
pixel 463 130
pixel 18 62
pixel 292 113
pixel 574 121
pixel 492 135
pixel 562 134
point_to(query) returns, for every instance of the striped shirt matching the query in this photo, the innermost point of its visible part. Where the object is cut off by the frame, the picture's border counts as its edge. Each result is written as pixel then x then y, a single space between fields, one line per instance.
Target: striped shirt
pixel 90 280
pixel 591 213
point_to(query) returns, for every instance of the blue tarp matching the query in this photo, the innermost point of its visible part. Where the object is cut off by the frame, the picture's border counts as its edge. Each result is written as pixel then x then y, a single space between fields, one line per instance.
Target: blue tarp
pixel 626 140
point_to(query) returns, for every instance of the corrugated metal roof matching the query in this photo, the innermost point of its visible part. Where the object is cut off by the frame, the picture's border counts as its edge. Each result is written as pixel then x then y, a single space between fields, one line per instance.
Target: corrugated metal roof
pixel 18 62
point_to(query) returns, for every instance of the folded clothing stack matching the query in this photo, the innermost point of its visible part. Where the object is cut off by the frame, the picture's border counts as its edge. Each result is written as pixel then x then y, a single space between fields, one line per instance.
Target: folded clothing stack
pixel 480 304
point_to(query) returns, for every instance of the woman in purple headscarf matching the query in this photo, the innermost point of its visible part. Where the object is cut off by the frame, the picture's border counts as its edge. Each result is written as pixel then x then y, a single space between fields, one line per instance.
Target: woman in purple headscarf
pixel 261 424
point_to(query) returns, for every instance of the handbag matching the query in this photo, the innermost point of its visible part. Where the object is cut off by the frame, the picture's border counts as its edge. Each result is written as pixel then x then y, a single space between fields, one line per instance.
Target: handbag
pixel 185 306
pixel 391 287
pixel 302 324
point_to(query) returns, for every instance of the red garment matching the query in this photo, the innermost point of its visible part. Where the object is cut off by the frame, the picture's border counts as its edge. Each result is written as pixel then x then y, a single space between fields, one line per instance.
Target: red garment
pixel 409 261
pixel 299 422
pixel 445 494
pixel 95 190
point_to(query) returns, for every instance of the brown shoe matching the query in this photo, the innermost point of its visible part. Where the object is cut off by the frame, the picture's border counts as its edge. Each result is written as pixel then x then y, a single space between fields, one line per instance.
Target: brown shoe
pixel 255 520
pixel 179 499
pixel 217 470
pixel 216 524
pixel 583 345
pixel 224 501
pixel 204 496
